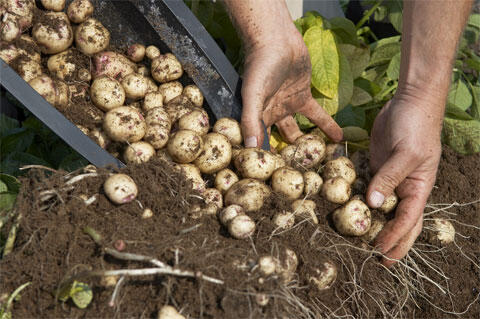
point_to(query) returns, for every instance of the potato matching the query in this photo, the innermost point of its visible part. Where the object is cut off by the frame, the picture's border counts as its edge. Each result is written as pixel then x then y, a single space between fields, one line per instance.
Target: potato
pixel 136 52
pixel 178 107
pixel 166 68
pixel 192 173
pixel 107 93
pixel 53 5
pixel 255 163
pixel 360 161
pixel 342 167
pixel 55 92
pixel 313 183
pixel 156 135
pixel 279 161
pixel 440 231
pixel 305 209
pixel 389 203
pixel 336 190
pixel 192 92
pixel 62 95
pixel 29 70
pixel 82 128
pixel 10 28
pixel 324 278
pixel 352 219
pixel 112 64
pixel 91 37
pixel 284 220
pixel 151 85
pixel 124 124
pixel 309 152
pixel 230 128
pixel 169 312
pixel 158 116
pixel 288 154
pixel 152 52
pixel 262 299
pixel 59 66
pixel 8 52
pixel 248 193
pixel 138 152
pixel 216 154
pixel 334 151
pixel 79 10
pixel 170 90
pixel 99 137
pixel 375 228
pixel 267 265
pixel 26 46
pixel 214 199
pixel 196 120
pixel 84 75
pixel 53 40
pixel 163 154
pixel 21 9
pixel 224 179
pixel 288 181
pixel 241 227
pixel 287 265
pixel 184 146
pixel 120 188
pixel 229 213
pixel 135 86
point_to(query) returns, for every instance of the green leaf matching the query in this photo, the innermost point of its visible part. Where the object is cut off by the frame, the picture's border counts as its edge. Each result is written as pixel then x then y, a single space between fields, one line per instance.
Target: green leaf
pixel 380 13
pixel 16 142
pixel 350 116
pixel 476 101
pixel 303 122
pixel 358 57
pixel 384 53
pixel 462 136
pixel 368 86
pixel 325 60
pixel 6 124
pixel 3 187
pixel 344 93
pixel 473 64
pixel 12 163
pixel 459 95
pixel 376 73
pixel 384 41
pixel 395 14
pixel 7 200
pixel 11 182
pixel 474 20
pixel 360 96
pixel 81 294
pixel 354 134
pixel 344 29
pixel 454 112
pixel 393 70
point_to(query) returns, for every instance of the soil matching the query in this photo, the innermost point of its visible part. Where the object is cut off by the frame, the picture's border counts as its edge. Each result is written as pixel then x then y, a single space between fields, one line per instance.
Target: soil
pixel 51 247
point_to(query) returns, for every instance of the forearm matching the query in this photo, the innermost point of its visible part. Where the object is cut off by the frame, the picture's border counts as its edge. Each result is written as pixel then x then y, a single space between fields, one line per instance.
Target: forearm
pixel 431 31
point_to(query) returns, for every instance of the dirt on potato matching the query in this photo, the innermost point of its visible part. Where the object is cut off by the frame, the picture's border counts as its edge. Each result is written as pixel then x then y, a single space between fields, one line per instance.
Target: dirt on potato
pixel 51 246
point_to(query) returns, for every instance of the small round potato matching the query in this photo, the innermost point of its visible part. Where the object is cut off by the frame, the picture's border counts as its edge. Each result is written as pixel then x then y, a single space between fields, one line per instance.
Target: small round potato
pixel 59 65
pixel 213 196
pixel 336 190
pixel 216 154
pixel 99 137
pixel 353 219
pixel 29 70
pixel 375 228
pixel 196 120
pixel 22 9
pixel 229 213
pixel 192 173
pixel 288 154
pixel 152 52
pixel 248 193
pixel 143 70
pixel 157 135
pixel 112 64
pixel 138 152
pixel 166 68
pixel 178 107
pixel 170 90
pixel 91 37
pixel 441 230
pixel 45 86
pixel 255 163
pixel 224 179
pixel 152 100
pixel 107 93
pixel 313 183
pixel 124 124
pixel 305 209
pixel 136 52
pixel 53 40
pixel 184 146
pixel 287 266
pixel 192 92
pixel 230 128
pixel 389 203
pixel 284 220
pixel 288 181
pixel 158 116
pixel 8 52
pixel 120 188
pixel 334 151
pixel 135 86
pixel 79 10
pixel 342 167
pixel 309 153
pixel 324 278
pixel 267 265
pixel 53 5
pixel 169 312
pixel 9 28
pixel 241 227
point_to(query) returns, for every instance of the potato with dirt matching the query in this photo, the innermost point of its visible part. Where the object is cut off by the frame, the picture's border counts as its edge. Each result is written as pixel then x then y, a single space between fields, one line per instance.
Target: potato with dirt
pixel 248 193
pixel 440 231
pixel 241 227
pixel 288 182
pixel 91 37
pixel 192 173
pixel 193 93
pixel 305 209
pixel 135 86
pixel 53 33
pixel 336 190
pixel 389 203
pixel 196 120
pixel 10 28
pixel 340 167
pixel 8 52
pixel 308 153
pixel 216 154
pixel 170 90
pixel 124 124
pixel 107 93
pixel 27 47
pixel 224 179
pixel 178 107
pixel 60 66
pixel 79 10
pixel 55 92
pixel 184 146
pixel 112 64
pixel 166 68
pixel 53 5
pixel 19 12
pixel 152 52
pixel 152 100
pixel 313 183
pixel 136 52
pixel 255 163
pixel 29 69
pixel 120 188
pixel 169 312
pixel 138 152
pixel 287 265
pixel 323 277
pixel 352 219
pixel 230 128
pixel 229 213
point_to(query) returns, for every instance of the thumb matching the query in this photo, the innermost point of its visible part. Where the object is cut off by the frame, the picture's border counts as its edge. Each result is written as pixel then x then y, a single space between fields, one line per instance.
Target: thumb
pixel 395 169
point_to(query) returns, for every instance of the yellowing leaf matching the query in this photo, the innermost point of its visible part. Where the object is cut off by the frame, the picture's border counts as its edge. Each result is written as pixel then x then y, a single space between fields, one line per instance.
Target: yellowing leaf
pixel 325 60
pixel 81 294
pixel 277 142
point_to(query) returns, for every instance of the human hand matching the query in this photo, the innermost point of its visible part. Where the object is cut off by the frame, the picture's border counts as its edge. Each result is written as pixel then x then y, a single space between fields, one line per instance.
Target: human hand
pixel 405 152
pixel 276 84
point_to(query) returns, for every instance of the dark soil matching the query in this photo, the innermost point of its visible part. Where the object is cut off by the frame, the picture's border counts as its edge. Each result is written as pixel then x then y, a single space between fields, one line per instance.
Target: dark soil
pixel 51 246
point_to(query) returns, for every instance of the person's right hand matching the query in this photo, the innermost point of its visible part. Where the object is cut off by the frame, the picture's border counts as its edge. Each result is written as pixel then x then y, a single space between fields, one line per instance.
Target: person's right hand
pixel 276 84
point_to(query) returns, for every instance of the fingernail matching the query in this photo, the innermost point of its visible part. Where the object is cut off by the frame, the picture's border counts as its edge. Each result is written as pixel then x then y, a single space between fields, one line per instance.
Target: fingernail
pixel 251 141
pixel 376 199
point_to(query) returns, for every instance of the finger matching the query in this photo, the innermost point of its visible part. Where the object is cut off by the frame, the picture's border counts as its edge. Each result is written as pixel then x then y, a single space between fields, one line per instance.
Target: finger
pixel 322 119
pixel 409 210
pixel 397 167
pixel 289 129
pixel 401 250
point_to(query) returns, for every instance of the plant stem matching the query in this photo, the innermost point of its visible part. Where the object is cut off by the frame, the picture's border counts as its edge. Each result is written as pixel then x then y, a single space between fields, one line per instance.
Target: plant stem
pixel 368 14
pixel 12 235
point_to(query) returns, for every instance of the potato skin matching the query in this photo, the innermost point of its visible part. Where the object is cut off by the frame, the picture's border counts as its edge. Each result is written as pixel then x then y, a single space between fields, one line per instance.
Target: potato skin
pixel 313 183
pixel 91 37
pixel 342 167
pixel 224 179
pixel 184 146
pixel 196 120
pixel 138 152
pixel 152 52
pixel 193 93
pixel 241 227
pixel 58 65
pixel 441 231
pixel 170 90
pixel 53 5
pixel 8 52
pixel 248 193
pixel 79 10
pixel 136 52
pixel 216 154
pixel 112 64
pixel 124 124
pixel 309 152
pixel 288 181
pixel 9 28
pixel 255 163
pixel 192 173
pixel 135 86
pixel 389 203
pixel 120 188
pixel 305 209
pixel 230 128
pixel 53 41
pixel 323 278
pixel 107 93
pixel 166 68
pixel 336 190
pixel 353 219
pixel 29 70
